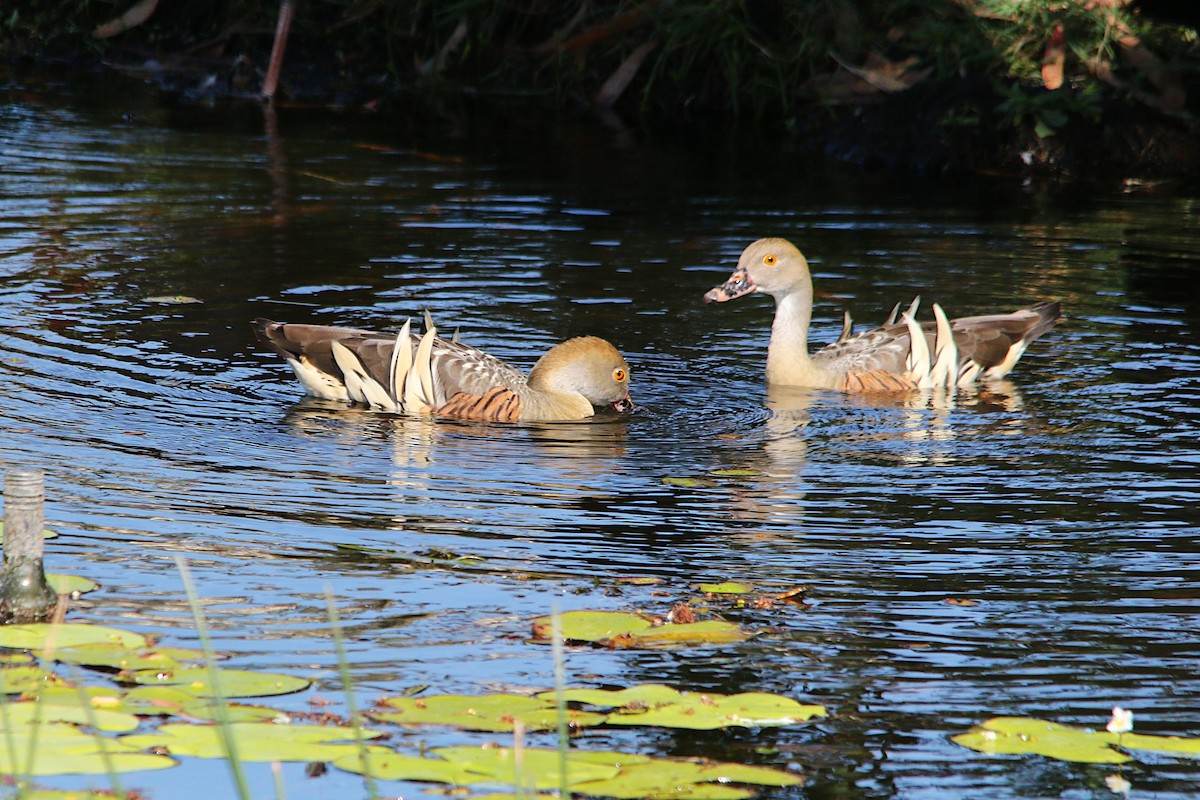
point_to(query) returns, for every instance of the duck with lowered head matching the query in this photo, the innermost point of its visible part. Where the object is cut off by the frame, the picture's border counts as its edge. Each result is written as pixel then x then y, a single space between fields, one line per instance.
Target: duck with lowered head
pixel 898 356
pixel 428 375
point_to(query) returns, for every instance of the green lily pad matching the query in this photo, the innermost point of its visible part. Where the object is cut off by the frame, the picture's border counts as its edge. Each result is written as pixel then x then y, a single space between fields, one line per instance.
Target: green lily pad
pixel 254 741
pixel 389 766
pixel 686 779
pixel 145 701
pixel 70 584
pixel 728 587
pixel 46 533
pixel 116 657
pixel 61 749
pixel 592 626
pixel 662 706
pixel 173 299
pixel 538 768
pixel 1025 735
pixel 494 712
pixel 712 631
pixel 24 714
pixel 43 635
pixel 622 629
pixel 232 682
pixel 18 680
pixel 685 483
pixel 15 659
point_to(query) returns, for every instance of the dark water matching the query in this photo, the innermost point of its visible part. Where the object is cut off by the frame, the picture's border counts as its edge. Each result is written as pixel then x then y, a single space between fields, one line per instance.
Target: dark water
pixel 1064 502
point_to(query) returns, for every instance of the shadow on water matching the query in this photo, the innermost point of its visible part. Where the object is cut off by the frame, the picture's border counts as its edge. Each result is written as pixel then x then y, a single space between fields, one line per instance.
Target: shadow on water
pixel 1061 503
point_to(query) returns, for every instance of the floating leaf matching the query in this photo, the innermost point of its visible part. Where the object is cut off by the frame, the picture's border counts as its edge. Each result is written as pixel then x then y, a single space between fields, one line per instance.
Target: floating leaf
pixel 28 713
pixel 662 706
pixel 736 473
pixel 686 483
pixel 686 779
pixel 389 766
pixel 494 712
pixel 254 741
pixel 112 656
pixel 40 635
pixel 621 629
pixel 1175 745
pixel 538 768
pixel 711 631
pixel 728 587
pixel 173 299
pixel 1020 735
pixel 60 749
pixel 592 626
pixel 233 682
pixel 644 695
pixel 18 680
pixel 70 584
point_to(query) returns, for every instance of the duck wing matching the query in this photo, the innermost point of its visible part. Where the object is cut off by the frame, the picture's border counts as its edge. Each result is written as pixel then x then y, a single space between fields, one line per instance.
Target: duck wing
pixel 404 372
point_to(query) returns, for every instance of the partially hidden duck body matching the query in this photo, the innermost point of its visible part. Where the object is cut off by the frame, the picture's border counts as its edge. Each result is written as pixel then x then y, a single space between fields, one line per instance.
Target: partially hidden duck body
pixel 901 355
pixel 428 375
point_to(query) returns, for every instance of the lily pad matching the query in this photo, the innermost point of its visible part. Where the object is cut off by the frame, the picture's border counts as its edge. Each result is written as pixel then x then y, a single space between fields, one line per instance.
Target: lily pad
pixel 18 680
pixel 712 631
pixel 684 483
pixel 538 768
pixel 147 701
pixel 624 630
pixel 70 584
pixel 232 682
pixel 662 706
pixel 728 587
pixel 592 626
pixel 43 635
pixel 173 299
pixel 388 766
pixel 61 749
pixel 116 657
pixel 21 716
pixel 1025 735
pixel 686 779
pixel 254 741
pixel 494 712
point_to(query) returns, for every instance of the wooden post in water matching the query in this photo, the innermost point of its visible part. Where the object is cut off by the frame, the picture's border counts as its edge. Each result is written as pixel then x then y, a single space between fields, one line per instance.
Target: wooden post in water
pixel 24 594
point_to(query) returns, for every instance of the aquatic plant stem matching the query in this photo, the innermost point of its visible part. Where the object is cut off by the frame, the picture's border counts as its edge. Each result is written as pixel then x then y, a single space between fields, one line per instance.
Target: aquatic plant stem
pixel 210 660
pixel 558 653
pixel 18 782
pixel 335 628
pixel 89 711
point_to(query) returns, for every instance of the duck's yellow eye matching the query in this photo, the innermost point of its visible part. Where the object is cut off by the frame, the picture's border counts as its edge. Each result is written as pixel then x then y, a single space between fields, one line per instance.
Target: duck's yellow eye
pixel 619 375
pixel 769 260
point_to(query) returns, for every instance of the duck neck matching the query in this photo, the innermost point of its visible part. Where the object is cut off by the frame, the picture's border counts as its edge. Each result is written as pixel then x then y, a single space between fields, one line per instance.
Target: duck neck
pixel 541 403
pixel 788 362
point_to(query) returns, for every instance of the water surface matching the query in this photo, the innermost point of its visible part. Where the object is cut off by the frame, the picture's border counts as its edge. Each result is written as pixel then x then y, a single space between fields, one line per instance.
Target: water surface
pixel 1063 501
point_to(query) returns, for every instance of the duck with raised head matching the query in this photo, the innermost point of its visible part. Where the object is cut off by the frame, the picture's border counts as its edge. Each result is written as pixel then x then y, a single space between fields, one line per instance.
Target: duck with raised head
pixel 899 356
pixel 428 375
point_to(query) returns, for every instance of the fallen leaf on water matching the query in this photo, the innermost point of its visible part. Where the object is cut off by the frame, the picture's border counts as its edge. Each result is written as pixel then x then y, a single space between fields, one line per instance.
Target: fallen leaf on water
pixel 173 300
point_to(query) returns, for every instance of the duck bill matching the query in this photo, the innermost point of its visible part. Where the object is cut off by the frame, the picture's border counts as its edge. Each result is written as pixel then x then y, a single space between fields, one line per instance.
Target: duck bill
pixel 623 406
pixel 739 283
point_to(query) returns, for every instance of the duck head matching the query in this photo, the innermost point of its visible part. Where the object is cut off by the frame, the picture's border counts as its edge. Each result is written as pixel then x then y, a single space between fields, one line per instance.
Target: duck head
pixel 771 266
pixel 588 366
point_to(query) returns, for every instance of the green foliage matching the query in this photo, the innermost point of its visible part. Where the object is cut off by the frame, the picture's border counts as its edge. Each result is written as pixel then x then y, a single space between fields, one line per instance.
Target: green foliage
pixel 1047 112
